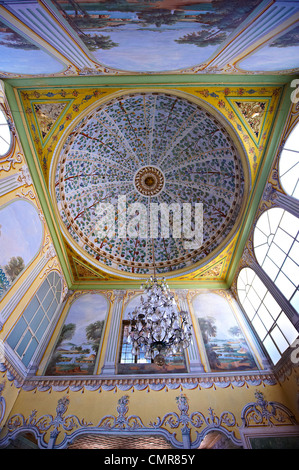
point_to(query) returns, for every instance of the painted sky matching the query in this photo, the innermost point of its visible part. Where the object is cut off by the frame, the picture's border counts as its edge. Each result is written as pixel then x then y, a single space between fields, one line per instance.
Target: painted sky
pixel 21 232
pixel 87 309
pixel 213 305
pixel 147 50
pixel 271 59
pixel 28 59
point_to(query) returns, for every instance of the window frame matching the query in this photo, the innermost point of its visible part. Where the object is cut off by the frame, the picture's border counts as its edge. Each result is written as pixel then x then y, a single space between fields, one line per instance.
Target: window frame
pixel 18 340
pixel 270 263
pixel 271 331
pixel 7 125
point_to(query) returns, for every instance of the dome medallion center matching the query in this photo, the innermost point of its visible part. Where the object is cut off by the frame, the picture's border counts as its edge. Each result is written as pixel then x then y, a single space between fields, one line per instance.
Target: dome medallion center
pixel 149 180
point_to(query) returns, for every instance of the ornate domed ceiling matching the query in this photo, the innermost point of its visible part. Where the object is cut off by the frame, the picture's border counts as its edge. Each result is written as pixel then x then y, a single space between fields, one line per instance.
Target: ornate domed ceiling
pixel 148 148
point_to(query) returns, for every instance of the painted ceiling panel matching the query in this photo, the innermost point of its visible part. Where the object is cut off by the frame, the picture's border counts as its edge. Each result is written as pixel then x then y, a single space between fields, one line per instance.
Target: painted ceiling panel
pixel 93 143
pixel 19 55
pixel 167 36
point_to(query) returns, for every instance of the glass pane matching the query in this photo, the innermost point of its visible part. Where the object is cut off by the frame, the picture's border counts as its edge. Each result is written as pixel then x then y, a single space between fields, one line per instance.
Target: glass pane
pixel 270 268
pixel 290 224
pixel 29 352
pixel 42 291
pixel 287 328
pixel 48 299
pixel 288 160
pixel 259 287
pixel 259 327
pixel 23 344
pixel 294 252
pixel 52 309
pixel 37 319
pixel 293 139
pixel 261 252
pixel 265 317
pixel 272 306
pixel 279 339
pixel 31 309
pixel 295 301
pixel 249 309
pixel 42 329
pixel 50 278
pixel 5 135
pixel 276 254
pixel 254 299
pixel 291 270
pixel 272 350
pixel 289 164
pixel 283 240
pixel 275 214
pixel 16 333
pixel 250 274
pixel 284 285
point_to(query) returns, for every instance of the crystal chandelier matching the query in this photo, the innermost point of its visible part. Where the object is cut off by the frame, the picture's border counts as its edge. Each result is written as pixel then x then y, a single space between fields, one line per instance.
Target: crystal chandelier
pixel 156 327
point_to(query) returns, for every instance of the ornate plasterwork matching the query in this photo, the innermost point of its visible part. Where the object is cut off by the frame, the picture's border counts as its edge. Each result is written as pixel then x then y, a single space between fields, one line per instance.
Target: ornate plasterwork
pixel 149 181
pixel 81 98
pixel 47 428
pixel 148 144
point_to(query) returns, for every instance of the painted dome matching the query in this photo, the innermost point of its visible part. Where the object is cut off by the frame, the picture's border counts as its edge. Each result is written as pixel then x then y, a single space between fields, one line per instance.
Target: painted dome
pixel 144 150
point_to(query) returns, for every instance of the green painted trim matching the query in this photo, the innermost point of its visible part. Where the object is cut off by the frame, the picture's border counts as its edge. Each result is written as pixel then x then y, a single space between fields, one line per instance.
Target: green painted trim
pixel 108 285
pixel 41 193
pixel 148 79
pixel 260 183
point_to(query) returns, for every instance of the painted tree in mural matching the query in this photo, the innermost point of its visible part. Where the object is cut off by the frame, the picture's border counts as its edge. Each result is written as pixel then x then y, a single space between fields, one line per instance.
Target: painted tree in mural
pixel 209 330
pixel 228 15
pixel 97 42
pixel 67 333
pixel 224 17
pixel 14 267
pixel 203 38
pixel 14 40
pixel 94 333
pixel 4 282
pixel 291 38
pixel 159 16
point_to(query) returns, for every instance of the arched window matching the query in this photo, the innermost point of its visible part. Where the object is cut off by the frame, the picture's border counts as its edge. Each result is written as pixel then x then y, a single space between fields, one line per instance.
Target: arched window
pixel 5 135
pixel 289 164
pixel 276 247
pixel 273 327
pixel 21 235
pixel 31 326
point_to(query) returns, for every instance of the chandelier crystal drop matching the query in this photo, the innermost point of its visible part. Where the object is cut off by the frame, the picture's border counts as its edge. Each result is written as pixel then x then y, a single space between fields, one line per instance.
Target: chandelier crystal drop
pixel 156 327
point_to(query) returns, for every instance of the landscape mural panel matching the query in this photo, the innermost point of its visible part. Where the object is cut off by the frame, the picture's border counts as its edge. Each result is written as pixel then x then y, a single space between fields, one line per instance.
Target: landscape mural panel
pixel 78 343
pixel 225 345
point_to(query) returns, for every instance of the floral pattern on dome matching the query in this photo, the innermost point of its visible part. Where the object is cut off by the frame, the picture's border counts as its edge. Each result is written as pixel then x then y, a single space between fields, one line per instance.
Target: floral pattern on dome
pixel 193 151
